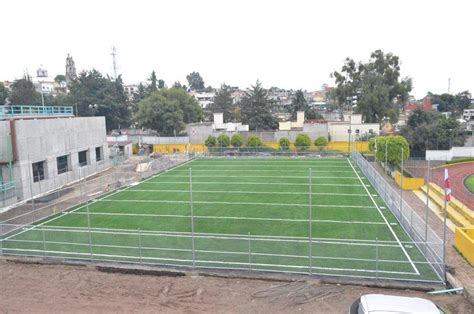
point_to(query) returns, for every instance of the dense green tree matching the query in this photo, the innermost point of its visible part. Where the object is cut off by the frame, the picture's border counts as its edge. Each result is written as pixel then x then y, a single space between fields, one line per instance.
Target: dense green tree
pixel 195 81
pixel 256 107
pixel 60 78
pixel 95 95
pixel 223 103
pixel 4 94
pixel 223 140
pixel 211 141
pixel 298 103
pixel 24 92
pixel 302 141
pixel 284 143
pixel 161 84
pixel 153 86
pixel 178 84
pixel 167 111
pixel 390 147
pixel 376 85
pixel 237 140
pixel 254 141
pixel 431 130
pixel 452 103
pixel 321 142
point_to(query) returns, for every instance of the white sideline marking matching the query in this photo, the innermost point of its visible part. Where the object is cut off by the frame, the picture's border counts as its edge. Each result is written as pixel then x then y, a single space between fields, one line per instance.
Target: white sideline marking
pixel 235 218
pixel 236 203
pixel 247 192
pixel 250 183
pixel 263 170
pixel 103 198
pixel 227 176
pixel 388 225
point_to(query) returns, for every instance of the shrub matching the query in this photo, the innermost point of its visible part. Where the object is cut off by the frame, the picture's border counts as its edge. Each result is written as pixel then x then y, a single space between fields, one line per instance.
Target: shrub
pixel 284 143
pixel 237 140
pixel 321 141
pixel 210 141
pixel 302 141
pixel 393 145
pixel 254 141
pixel 223 140
pixel 135 148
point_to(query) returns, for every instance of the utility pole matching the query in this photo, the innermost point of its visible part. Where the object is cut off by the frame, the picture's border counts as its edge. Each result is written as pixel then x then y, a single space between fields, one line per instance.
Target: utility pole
pixel 114 54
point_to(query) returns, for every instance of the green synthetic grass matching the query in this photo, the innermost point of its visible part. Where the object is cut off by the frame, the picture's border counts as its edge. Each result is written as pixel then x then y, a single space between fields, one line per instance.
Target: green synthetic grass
pixel 254 205
pixel 469 183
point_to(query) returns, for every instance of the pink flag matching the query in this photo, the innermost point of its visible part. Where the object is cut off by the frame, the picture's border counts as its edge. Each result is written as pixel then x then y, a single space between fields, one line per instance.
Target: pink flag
pixel 447 185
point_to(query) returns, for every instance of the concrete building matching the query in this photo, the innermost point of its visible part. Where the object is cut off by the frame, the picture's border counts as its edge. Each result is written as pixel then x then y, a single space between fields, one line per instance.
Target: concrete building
pixel 291 125
pixel 130 90
pixel 44 148
pixel 204 98
pixel 42 82
pixel 352 127
pixel 219 124
pixel 468 116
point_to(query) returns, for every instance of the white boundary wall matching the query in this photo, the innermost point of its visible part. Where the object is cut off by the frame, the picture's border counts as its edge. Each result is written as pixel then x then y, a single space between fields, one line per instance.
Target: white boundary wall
pixel 450 154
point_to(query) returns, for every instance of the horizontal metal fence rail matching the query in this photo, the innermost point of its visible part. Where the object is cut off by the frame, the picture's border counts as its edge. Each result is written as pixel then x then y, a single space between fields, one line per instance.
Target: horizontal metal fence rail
pixel 22 111
pixel 427 241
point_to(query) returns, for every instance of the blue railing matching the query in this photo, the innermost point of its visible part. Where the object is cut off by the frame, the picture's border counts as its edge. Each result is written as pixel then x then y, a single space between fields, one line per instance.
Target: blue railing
pixel 28 111
pixel 8 185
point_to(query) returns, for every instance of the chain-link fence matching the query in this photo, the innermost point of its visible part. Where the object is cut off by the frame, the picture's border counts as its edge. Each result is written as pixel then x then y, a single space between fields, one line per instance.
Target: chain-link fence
pixel 86 187
pixel 427 241
pixel 262 151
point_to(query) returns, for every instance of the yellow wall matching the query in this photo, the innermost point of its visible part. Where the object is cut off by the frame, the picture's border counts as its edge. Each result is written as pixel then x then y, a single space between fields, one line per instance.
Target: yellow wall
pixel 194 148
pixel 409 184
pixel 464 242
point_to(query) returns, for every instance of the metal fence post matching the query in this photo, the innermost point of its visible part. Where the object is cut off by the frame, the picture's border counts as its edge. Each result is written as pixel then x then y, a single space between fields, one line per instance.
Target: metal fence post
pixel 192 215
pixel 427 202
pixel 30 167
pixel 310 217
pixel 401 188
pixel 88 215
pixel 250 254
pixel 386 151
pixel 376 259
pixel 44 240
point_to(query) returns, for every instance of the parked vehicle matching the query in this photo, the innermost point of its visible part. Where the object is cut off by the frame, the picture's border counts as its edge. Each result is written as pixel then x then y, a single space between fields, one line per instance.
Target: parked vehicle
pixel 386 304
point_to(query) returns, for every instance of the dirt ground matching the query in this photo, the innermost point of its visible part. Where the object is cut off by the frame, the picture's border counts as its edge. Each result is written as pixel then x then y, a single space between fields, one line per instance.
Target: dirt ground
pixel 33 288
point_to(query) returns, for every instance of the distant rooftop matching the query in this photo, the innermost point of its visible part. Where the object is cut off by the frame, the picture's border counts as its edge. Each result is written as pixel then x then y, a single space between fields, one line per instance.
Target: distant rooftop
pixel 7 112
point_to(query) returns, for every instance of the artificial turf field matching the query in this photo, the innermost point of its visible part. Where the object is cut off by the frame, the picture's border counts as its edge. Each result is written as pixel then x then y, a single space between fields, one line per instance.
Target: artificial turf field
pixel 248 213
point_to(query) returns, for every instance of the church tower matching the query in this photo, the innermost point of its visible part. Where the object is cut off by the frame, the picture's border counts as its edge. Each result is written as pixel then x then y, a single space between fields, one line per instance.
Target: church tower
pixel 70 69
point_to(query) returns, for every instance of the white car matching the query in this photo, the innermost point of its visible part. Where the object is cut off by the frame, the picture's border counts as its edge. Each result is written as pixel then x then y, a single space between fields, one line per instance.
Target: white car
pixel 390 304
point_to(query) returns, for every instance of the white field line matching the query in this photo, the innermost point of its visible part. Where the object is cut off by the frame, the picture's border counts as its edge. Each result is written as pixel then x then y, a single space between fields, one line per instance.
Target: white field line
pixel 103 198
pixel 244 253
pixel 249 192
pixel 386 221
pixel 264 170
pixel 234 218
pixel 274 166
pixel 229 176
pixel 227 236
pixel 250 183
pixel 215 262
pixel 236 203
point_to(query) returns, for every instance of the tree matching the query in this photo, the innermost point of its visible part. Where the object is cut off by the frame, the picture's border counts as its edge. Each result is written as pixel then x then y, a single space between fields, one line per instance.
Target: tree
pixel 24 92
pixel 60 78
pixel 452 103
pixel 254 141
pixel 223 103
pixel 321 142
pixel 284 143
pixel 167 111
pixel 255 109
pixel 96 95
pixel 195 81
pixel 177 84
pixel 161 84
pixel 152 87
pixel 376 85
pixel 210 141
pixel 392 145
pixel 223 140
pixel 237 140
pixel 4 94
pixel 302 141
pixel 431 130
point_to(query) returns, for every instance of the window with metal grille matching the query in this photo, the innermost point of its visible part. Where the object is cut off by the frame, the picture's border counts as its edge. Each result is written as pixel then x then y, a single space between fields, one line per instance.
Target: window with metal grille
pixel 38 171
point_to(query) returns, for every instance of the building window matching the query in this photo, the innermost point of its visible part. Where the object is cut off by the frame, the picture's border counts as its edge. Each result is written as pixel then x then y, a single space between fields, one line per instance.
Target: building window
pixel 82 158
pixel 63 164
pixel 98 153
pixel 371 131
pixel 357 131
pixel 38 171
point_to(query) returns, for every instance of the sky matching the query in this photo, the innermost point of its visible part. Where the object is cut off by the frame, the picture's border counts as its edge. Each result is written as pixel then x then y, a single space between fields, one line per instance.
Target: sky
pixel 290 44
